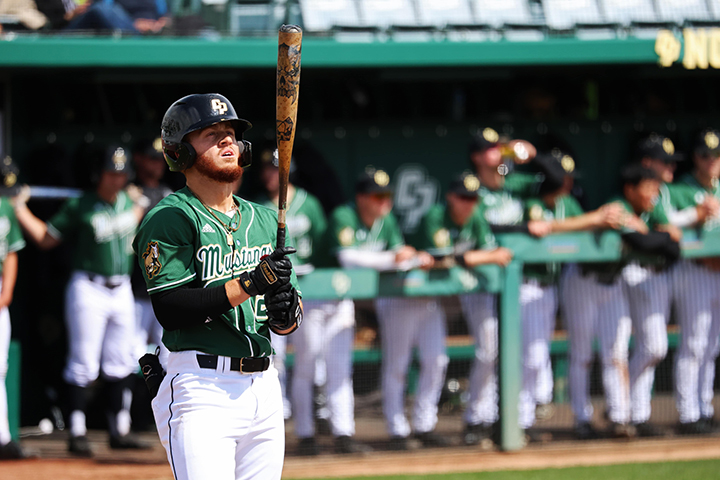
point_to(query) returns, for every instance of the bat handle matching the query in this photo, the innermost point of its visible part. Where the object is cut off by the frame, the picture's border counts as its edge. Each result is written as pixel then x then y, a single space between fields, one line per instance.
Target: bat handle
pixel 280 236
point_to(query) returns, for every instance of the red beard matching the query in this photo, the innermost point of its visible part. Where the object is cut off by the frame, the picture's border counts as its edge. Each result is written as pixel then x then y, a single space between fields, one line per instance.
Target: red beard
pixel 226 174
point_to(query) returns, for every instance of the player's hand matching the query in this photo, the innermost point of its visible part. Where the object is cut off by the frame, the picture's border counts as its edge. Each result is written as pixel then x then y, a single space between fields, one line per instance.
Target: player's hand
pixel 610 216
pixel 675 232
pixel 523 151
pixel 284 309
pixel 273 271
pixel 405 253
pixel 710 207
pixel 633 222
pixel 136 195
pixel 22 197
pixel 502 256
pixel 539 228
pixel 425 260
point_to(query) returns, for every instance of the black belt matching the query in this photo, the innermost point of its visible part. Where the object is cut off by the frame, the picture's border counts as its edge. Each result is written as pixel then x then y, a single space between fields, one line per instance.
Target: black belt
pixel 242 365
pixel 104 281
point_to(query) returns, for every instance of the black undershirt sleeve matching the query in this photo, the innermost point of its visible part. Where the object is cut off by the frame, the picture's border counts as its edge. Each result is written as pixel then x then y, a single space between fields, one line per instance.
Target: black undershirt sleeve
pixel 185 307
pixel 654 242
pixel 521 228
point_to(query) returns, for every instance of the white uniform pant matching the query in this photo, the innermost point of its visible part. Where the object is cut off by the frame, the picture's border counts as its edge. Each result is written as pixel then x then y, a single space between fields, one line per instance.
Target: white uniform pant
pixel 101 330
pixel 5 336
pixel 480 312
pixel 538 312
pixel 327 334
pixel 404 324
pixel 148 329
pixel 648 294
pixel 220 424
pixel 696 290
pixel 280 344
pixel 592 310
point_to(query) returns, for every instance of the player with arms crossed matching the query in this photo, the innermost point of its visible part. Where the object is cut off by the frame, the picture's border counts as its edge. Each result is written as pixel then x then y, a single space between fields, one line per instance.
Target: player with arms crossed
pixel 218 286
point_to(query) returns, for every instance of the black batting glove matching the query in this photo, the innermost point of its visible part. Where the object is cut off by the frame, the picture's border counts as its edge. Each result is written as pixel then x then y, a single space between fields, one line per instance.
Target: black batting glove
pixel 272 272
pixel 284 309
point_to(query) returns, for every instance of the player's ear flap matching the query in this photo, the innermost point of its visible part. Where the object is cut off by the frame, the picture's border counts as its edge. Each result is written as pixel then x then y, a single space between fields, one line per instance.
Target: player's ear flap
pixel 185 155
pixel 246 154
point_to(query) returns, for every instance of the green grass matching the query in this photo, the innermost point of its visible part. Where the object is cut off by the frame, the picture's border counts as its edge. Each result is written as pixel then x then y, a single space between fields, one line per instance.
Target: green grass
pixel 695 470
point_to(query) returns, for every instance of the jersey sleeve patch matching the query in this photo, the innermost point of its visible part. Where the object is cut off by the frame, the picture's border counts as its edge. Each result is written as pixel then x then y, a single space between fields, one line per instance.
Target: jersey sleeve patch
pixel 151 260
pixel 346 237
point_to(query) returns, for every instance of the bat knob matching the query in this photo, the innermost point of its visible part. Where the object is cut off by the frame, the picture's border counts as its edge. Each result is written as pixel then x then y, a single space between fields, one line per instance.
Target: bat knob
pixel 291 29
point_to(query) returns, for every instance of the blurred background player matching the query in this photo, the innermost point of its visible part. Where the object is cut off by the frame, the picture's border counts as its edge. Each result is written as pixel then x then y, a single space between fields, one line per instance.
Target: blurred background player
pixel 649 292
pixel 150 168
pixel 11 241
pixel 595 305
pixel 538 293
pixel 696 283
pixel 456 233
pixel 367 235
pixel 99 307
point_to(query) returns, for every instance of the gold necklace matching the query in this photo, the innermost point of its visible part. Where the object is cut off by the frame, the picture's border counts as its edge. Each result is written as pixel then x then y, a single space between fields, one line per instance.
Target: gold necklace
pixel 229 228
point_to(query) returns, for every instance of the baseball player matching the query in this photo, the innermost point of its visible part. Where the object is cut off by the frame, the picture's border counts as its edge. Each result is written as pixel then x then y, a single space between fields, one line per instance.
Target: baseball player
pixel 457 234
pixel 595 305
pixel 538 292
pixel 11 241
pixel 149 169
pixel 695 284
pixel 99 306
pixel 649 290
pixel 367 235
pixel 218 287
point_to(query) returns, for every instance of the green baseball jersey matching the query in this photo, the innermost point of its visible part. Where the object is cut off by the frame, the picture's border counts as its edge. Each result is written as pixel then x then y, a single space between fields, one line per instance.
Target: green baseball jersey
pixel 102 233
pixel 180 242
pixel 11 238
pixel 439 235
pixel 505 206
pixel 651 219
pixel 346 230
pixel 687 192
pixel 306 225
pixel 566 206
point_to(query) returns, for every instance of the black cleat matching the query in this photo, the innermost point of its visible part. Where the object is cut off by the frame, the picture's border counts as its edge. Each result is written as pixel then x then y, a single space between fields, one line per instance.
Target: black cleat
pixel 621 430
pixel 80 446
pixel 399 443
pixel 585 431
pixel 475 434
pixel 307 447
pixel 699 427
pixel 127 442
pixel 432 440
pixel 345 444
pixel 11 451
pixel 646 429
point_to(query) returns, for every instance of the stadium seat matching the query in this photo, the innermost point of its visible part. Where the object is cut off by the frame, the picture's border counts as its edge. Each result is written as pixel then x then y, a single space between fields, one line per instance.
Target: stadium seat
pixel 442 13
pixel 255 18
pixel 714 9
pixel 324 15
pixel 625 12
pixel 512 17
pixel 387 13
pixel 581 16
pixel 678 11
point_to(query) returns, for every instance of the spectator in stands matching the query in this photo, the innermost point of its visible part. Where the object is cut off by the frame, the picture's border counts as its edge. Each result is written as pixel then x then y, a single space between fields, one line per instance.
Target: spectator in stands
pixel 595 304
pixel 456 233
pixel 695 284
pixel 649 290
pixel 134 17
pixel 367 235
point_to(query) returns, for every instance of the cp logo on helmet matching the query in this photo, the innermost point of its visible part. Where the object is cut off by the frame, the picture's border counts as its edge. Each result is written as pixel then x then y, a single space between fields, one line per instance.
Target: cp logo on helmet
pixel 195 112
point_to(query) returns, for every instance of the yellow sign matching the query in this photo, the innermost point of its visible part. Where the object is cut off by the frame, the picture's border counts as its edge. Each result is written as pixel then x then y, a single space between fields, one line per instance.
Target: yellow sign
pixel 700 48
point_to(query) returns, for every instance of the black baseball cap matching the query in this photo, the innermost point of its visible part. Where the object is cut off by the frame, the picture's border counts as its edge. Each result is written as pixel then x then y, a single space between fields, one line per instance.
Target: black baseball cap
pixel 658 147
pixel 484 140
pixel 8 178
pixel 554 166
pixel 707 142
pixel 152 147
pixel 465 185
pixel 373 180
pixel 116 160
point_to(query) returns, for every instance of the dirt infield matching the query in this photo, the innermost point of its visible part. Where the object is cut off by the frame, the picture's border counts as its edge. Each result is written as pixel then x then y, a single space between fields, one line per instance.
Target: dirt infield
pixel 53 463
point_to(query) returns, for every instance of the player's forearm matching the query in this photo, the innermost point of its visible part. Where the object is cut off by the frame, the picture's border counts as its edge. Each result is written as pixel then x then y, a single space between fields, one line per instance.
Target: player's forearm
pixel 587 221
pixel 9 277
pixel 473 258
pixel 36 229
pixel 683 218
pixel 184 307
pixel 235 294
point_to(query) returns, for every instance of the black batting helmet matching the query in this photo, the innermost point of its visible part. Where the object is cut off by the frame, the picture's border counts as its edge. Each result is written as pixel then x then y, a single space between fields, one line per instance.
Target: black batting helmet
pixel 195 112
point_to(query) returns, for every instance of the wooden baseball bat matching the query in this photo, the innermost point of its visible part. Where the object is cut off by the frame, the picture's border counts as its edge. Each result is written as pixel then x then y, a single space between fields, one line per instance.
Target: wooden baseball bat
pixel 287 88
